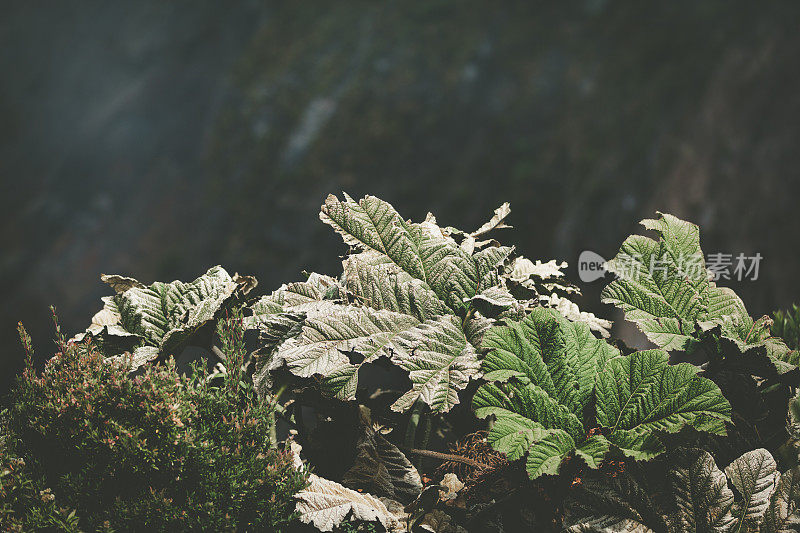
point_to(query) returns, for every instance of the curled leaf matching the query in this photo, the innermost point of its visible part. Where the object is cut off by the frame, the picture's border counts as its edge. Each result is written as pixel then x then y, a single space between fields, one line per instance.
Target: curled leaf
pixel 326 504
pixel 162 317
pixel 382 469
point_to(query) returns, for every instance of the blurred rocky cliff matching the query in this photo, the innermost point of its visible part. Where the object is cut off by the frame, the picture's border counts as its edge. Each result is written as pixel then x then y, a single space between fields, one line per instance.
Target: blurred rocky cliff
pixel 156 139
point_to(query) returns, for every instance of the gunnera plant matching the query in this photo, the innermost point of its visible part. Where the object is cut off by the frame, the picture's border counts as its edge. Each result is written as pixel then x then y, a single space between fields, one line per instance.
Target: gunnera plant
pixel 436 354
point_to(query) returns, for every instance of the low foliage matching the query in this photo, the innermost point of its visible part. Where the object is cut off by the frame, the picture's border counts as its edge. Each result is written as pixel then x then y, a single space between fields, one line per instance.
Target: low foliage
pixel 699 498
pixel 442 383
pixel 155 451
pixel 23 505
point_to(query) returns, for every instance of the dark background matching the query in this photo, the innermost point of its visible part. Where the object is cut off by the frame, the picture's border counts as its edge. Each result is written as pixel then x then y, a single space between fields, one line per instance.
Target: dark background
pixel 156 139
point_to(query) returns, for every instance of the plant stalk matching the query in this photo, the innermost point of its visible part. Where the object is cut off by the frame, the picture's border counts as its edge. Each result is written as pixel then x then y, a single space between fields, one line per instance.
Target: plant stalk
pixel 447 457
pixel 411 430
pixel 413 423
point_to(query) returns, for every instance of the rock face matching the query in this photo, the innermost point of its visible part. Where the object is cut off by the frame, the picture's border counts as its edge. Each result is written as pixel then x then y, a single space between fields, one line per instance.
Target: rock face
pixel 161 138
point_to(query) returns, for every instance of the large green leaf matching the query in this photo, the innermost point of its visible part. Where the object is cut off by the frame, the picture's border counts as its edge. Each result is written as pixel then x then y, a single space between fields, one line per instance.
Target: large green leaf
pixel 661 285
pixel 159 319
pixel 309 327
pixel 381 284
pixel 280 316
pixel 490 262
pixel 335 341
pixel 542 374
pixel 545 372
pixel 641 395
pixel 292 295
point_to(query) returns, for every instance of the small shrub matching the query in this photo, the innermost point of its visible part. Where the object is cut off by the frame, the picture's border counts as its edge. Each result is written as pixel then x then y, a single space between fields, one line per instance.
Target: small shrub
pixel 155 452
pixel 24 506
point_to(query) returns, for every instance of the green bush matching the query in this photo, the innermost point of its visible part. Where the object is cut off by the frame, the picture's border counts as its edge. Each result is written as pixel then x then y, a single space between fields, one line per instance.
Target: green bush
pixel 23 505
pixel 156 452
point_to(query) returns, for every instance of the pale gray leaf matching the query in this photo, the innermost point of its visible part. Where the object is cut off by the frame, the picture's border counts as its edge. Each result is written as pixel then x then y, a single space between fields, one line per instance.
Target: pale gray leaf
pixel 440 362
pixel 496 221
pixel 754 475
pixel 380 468
pixel 701 492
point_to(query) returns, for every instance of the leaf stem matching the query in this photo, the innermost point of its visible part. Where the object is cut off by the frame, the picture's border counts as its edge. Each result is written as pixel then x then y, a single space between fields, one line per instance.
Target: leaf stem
pixel 413 423
pixel 298 419
pixel 274 405
pixel 447 457
pixel 426 432
pixel 411 428
pixel 470 313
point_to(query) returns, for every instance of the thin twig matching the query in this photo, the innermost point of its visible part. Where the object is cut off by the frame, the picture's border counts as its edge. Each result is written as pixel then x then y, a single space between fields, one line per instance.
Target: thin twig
pixel 446 457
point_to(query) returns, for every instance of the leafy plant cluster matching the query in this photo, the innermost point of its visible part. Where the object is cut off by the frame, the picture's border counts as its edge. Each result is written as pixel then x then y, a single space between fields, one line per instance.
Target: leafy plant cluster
pixel 25 507
pixel 444 383
pixel 156 451
pixel 410 294
pixel 700 497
